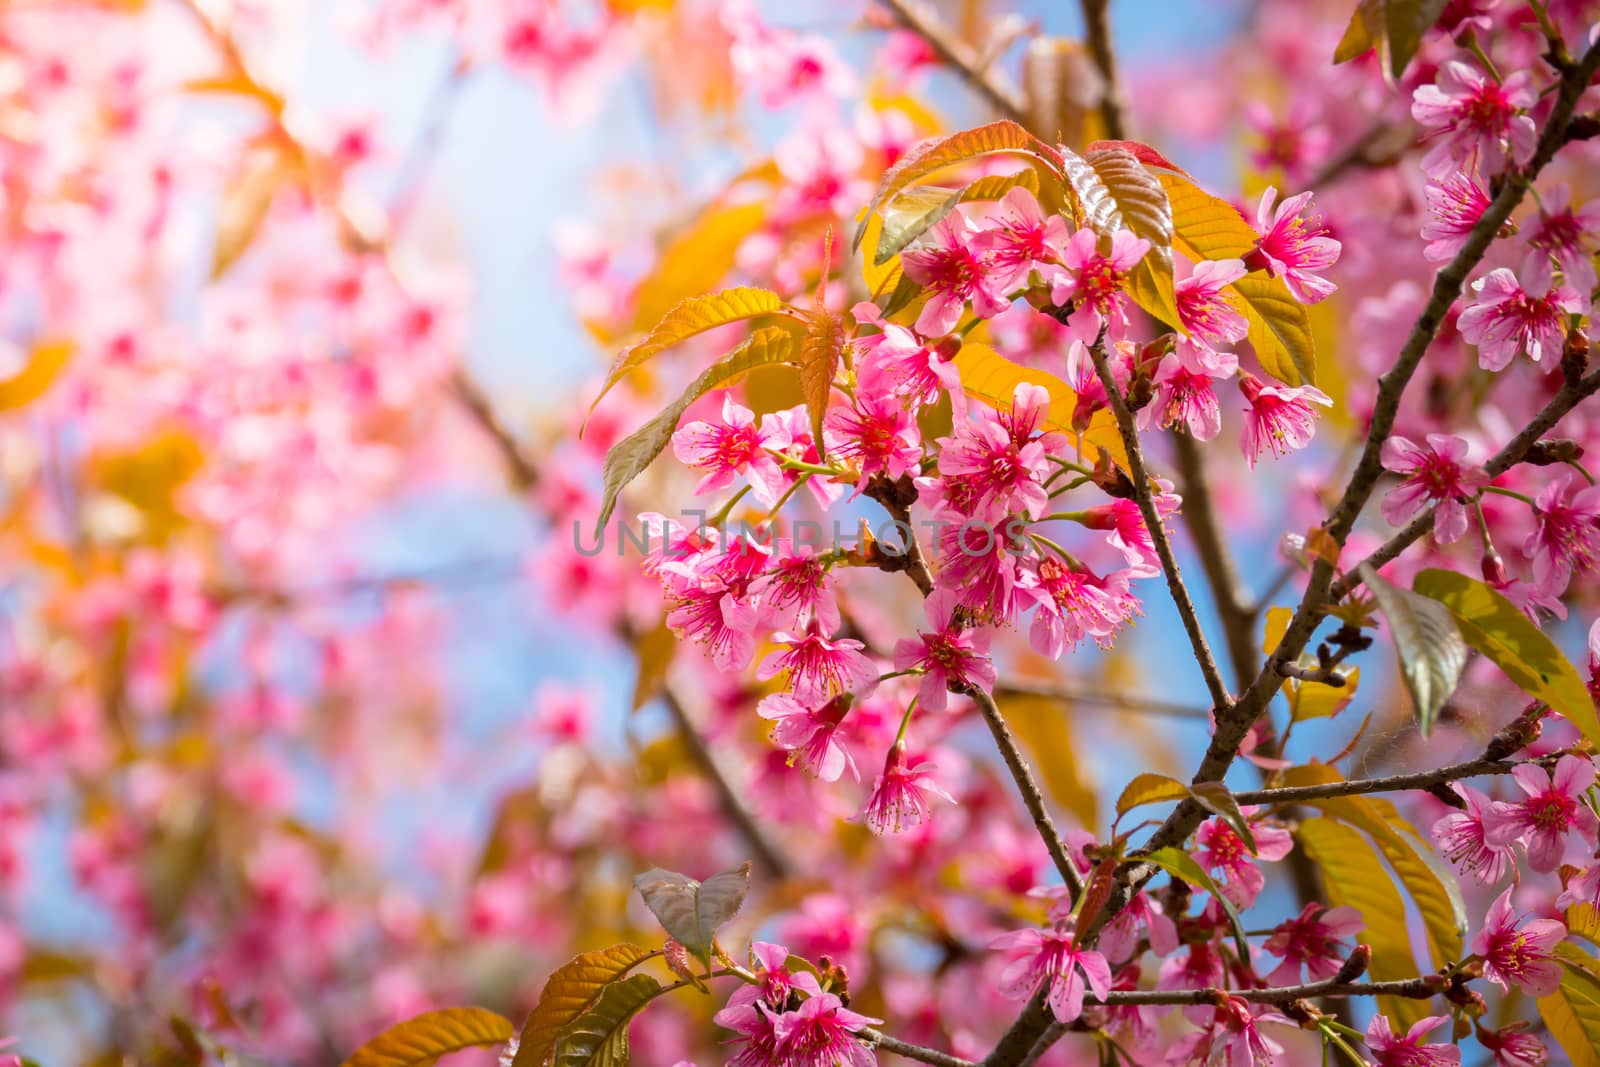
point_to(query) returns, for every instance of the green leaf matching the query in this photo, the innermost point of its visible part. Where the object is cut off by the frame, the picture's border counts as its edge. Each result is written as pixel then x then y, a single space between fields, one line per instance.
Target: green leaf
pixel 1353 875
pixel 1572 1012
pixel 568 992
pixel 1150 788
pixel 936 154
pixel 599 1037
pixel 692 911
pixel 421 1041
pixel 1215 798
pixel 628 458
pixel 1492 624
pixel 1182 866
pixel 1208 227
pixel 1427 642
pixel 693 316
pixel 1394 27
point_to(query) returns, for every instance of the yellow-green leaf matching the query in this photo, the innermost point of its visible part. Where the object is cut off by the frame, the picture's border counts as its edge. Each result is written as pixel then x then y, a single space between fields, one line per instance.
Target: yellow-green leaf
pixel 421 1041
pixel 46 361
pixel 988 376
pixel 245 203
pixel 1208 227
pixel 1044 726
pixel 599 1037
pixel 1492 624
pixel 1118 192
pixel 628 458
pixel 1353 875
pixel 1150 788
pixel 1308 700
pixel 912 213
pixel 1427 642
pixel 1394 27
pixel 936 154
pixel 654 650
pixel 1182 866
pixel 1572 1012
pixel 568 993
pixel 696 260
pixel 693 316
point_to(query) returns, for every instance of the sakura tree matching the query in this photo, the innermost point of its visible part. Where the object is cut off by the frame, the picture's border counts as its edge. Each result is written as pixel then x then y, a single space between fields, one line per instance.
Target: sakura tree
pixel 998 512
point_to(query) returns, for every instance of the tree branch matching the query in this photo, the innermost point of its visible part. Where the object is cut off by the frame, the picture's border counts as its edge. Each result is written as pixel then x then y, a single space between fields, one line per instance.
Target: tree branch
pixel 881 1040
pixel 1097 31
pixel 955 53
pixel 1124 701
pixel 1393 783
pixel 1421 988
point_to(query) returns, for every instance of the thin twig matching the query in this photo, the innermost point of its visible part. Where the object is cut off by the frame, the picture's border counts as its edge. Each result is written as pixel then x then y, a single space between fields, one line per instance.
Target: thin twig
pixel 1097 30
pixel 1393 783
pixel 1134 702
pixel 1417 988
pixel 881 1040
pixel 955 53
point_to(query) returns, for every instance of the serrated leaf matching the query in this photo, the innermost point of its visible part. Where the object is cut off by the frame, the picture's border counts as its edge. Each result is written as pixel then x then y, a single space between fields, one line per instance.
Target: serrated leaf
pixel 1150 788
pixel 46 361
pixel 1208 227
pixel 1492 624
pixel 694 261
pixel 992 378
pixel 692 911
pixel 1182 866
pixel 421 1041
pixel 1425 878
pixel 819 362
pixel 1572 1014
pixel 1134 198
pixel 567 993
pixel 1427 642
pixel 1044 726
pixel 1353 875
pixel 599 1037
pixel 690 317
pixel 1394 27
pixel 628 458
pixel 936 154
pixel 1215 798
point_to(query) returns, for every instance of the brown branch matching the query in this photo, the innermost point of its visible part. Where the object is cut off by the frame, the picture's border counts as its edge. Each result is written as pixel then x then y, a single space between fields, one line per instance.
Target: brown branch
pixel 955 53
pixel 1158 534
pixel 1097 30
pixel 1222 577
pixel 1393 783
pixel 879 1039
pixel 1028 787
pixel 1422 988
pixel 1133 702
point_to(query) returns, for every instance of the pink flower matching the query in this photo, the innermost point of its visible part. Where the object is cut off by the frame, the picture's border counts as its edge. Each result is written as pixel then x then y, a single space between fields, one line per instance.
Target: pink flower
pixel 1296 143
pixel 1095 282
pixel 897 362
pixel 810 735
pixel 1185 390
pixel 1409 1051
pixel 775 980
pixel 1279 417
pixel 1119 940
pixel 729 448
pixel 797 590
pixel 1460 836
pixel 1313 940
pixel 1564 237
pixel 755 1034
pixel 1521 957
pixel 1454 207
pixel 947 654
pixel 1294 244
pixel 1506 319
pixel 1511 1046
pixel 1553 808
pixel 1232 1039
pixel 820 668
pixel 1003 463
pixel 1074 603
pixel 1567 534
pixel 1437 474
pixel 1128 533
pixel 1020 238
pixel 1203 307
pixel 1053 957
pixel 878 433
pixel 822 1033
pixel 1221 850
pixel 1582 888
pixel 951 264
pixel 899 798
pixel 1477 121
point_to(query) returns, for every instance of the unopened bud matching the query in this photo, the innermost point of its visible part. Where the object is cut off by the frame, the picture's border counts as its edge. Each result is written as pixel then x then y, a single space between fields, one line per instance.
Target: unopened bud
pixel 1494 569
pixel 947 348
pixel 1575 356
pixel 1255 260
pixel 1356 965
pixel 1551 453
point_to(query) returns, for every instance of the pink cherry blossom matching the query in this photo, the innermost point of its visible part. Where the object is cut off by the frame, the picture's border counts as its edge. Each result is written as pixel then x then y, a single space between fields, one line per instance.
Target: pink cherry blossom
pixel 1294 245
pixel 1185 390
pixel 1280 417
pixel 822 1032
pixel 1127 532
pixel 1460 836
pixel 774 979
pixel 877 432
pixel 1476 122
pixel 1222 850
pixel 1507 320
pixel 900 797
pixel 1519 956
pixel 947 654
pixel 1454 207
pixel 951 263
pixel 1020 239
pixel 895 361
pixel 1203 303
pixel 1232 1038
pixel 1389 1050
pixel 1312 940
pixel 1513 1046
pixel 1001 460
pixel 1075 603
pixel 1437 474
pixel 810 734
pixel 818 668
pixel 1553 808
pixel 1119 939
pixel 1566 535
pixel 729 448
pixel 1094 283
pixel 1053 959
pixel 755 1035
pixel 1564 237
pixel 797 589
